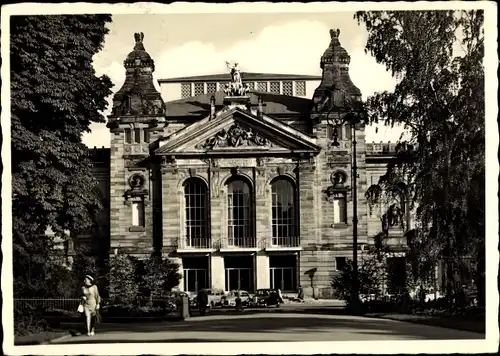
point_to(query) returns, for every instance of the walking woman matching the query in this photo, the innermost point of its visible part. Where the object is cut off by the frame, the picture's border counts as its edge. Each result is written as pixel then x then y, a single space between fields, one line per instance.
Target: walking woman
pixel 91 302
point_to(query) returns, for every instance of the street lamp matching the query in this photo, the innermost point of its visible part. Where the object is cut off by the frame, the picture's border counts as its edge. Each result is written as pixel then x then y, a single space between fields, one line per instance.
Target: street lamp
pixel 347 111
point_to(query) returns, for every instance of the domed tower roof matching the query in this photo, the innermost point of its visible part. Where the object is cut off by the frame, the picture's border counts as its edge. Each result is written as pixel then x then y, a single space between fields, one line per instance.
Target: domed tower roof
pixel 139 55
pixel 335 53
pixel 138 95
pixel 335 64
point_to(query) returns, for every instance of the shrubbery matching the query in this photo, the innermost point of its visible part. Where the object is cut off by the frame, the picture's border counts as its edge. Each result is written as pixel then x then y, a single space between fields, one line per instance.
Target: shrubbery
pixel 133 281
pixel 370 277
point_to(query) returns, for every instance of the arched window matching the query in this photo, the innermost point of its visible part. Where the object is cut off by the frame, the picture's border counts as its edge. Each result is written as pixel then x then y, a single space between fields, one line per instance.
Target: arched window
pixel 195 193
pixel 284 213
pixel 239 210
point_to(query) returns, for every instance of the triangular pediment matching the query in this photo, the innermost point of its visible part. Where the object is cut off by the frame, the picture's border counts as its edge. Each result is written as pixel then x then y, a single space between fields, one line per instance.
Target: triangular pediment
pixel 237 130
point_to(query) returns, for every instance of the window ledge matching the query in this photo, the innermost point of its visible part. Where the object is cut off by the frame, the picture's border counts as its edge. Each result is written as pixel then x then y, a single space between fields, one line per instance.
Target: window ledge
pixel 340 226
pixel 137 229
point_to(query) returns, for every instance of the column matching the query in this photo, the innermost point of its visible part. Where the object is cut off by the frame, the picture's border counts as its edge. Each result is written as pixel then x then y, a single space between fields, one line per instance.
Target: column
pixel 308 225
pixel 178 260
pixel 262 270
pixel 262 207
pixel 217 272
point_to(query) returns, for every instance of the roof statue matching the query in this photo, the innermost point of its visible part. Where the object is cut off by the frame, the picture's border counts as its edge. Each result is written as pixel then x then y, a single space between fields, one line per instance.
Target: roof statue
pixel 334 33
pixel 235 87
pixel 139 36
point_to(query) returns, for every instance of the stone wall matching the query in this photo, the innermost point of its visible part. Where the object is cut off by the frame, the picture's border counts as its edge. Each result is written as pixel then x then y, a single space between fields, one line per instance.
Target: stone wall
pixel 331 240
pixel 126 161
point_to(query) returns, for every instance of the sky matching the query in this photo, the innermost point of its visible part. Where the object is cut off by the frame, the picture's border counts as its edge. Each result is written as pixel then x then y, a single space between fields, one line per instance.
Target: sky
pixel 197 44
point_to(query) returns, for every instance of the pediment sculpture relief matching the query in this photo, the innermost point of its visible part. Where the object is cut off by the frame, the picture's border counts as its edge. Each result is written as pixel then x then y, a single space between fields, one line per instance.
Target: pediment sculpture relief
pixel 235 136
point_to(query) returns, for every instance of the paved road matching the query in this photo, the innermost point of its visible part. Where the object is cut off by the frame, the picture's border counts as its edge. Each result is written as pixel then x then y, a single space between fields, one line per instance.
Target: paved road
pixel 270 327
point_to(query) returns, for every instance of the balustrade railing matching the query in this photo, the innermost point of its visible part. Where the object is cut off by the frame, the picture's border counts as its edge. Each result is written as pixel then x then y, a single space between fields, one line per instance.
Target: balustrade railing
pixel 239 242
pixel 289 241
pixel 195 243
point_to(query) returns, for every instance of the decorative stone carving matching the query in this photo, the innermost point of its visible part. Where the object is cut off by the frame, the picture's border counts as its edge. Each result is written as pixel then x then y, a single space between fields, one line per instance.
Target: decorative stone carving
pixel 212 162
pixel 262 161
pixel 133 162
pixel 236 136
pixel 393 217
pixel 137 189
pixel 338 178
pixel 169 164
pixel 235 171
pixel 261 182
pixel 136 181
pixel 238 162
pixel 332 194
pixel 214 184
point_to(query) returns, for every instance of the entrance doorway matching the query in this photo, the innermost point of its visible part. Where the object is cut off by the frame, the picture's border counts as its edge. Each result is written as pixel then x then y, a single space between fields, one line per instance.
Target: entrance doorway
pixel 239 273
pixel 283 272
pixel 195 273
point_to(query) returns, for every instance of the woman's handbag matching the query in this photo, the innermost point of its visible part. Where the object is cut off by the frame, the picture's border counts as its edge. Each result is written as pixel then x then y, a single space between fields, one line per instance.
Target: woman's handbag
pixel 80 308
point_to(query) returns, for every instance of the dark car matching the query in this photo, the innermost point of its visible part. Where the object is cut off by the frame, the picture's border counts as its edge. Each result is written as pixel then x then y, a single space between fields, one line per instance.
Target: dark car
pixel 174 298
pixel 266 298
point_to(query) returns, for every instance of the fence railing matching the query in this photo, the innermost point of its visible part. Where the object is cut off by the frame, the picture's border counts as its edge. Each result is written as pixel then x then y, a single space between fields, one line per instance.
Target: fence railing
pixel 71 304
pixel 23 304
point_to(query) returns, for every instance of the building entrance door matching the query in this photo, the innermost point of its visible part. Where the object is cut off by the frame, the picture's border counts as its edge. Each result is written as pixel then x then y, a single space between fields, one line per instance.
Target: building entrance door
pixel 195 273
pixel 195 279
pixel 283 272
pixel 239 279
pixel 283 278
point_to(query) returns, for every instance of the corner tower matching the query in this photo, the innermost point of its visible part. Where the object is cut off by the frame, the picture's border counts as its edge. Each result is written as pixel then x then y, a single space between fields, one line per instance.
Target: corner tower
pixel 335 96
pixel 137 118
pixel 335 65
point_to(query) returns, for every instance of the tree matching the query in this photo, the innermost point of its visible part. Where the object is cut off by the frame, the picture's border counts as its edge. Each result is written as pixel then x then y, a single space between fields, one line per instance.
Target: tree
pixel 437 57
pixel 172 277
pixel 154 278
pixel 55 96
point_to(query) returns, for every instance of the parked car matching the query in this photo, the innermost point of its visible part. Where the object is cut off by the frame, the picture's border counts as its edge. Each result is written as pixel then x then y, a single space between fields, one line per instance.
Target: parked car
pixel 229 300
pixel 214 298
pixel 266 297
pixel 173 298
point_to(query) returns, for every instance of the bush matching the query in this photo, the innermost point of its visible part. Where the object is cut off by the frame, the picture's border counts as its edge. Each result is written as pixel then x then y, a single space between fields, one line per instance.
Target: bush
pixel 369 279
pixel 29 321
pixel 123 288
pixel 158 309
pixel 156 276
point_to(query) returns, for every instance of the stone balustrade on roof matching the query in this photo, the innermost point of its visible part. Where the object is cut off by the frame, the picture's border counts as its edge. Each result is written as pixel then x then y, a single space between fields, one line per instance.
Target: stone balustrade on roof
pixel 381 148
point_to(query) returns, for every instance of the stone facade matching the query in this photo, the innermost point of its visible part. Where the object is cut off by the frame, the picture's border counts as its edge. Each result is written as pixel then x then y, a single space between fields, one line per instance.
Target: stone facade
pixel 208 187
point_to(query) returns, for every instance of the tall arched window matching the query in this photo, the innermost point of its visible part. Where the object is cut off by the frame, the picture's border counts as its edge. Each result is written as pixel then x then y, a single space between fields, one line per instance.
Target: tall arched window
pixel 195 193
pixel 284 213
pixel 239 214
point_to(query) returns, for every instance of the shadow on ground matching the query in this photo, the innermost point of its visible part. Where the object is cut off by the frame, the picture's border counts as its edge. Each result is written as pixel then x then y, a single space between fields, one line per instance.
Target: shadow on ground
pixel 280 325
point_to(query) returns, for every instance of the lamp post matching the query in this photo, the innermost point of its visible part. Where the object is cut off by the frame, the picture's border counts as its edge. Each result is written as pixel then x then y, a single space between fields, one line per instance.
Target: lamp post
pixel 352 115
